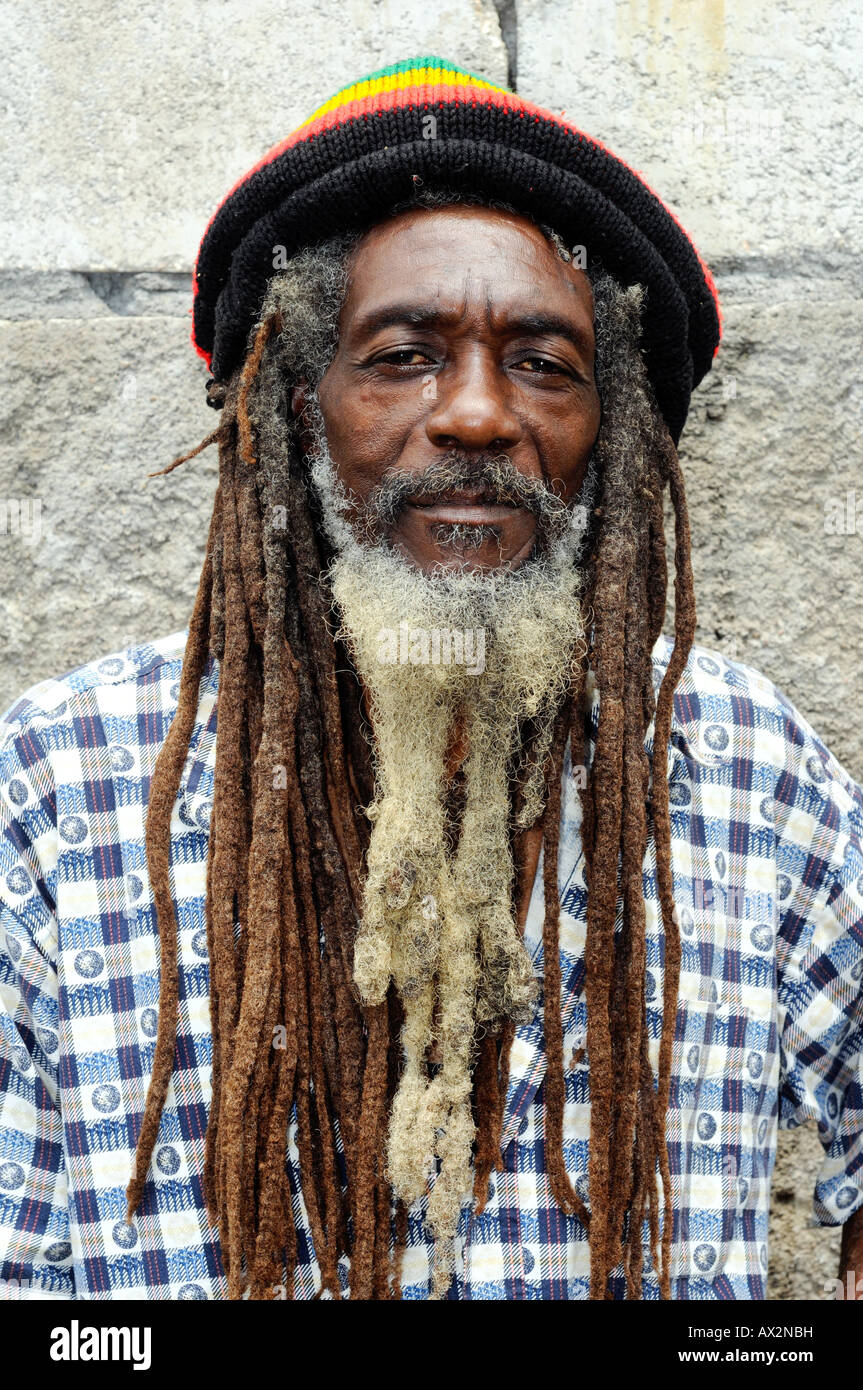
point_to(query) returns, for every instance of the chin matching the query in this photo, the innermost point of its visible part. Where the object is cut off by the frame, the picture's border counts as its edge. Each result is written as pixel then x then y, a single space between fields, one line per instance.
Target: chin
pixel 452 561
pixel 465 554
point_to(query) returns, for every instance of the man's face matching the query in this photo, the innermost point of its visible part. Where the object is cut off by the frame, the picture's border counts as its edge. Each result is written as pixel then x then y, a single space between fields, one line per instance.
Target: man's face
pixel 463 334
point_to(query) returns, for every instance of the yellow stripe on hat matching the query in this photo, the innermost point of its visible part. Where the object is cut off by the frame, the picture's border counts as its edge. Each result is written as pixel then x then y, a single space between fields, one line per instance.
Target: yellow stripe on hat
pixel 414 73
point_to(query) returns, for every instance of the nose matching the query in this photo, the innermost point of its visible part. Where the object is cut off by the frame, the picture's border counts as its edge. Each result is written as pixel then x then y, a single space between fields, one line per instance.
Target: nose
pixel 471 409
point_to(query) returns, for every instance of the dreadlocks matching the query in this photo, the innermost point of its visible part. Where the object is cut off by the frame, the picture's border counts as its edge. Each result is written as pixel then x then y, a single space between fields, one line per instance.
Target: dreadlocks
pixel 288 847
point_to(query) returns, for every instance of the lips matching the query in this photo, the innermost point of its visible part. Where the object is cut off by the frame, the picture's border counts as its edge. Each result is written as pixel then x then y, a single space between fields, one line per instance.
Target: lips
pixel 464 507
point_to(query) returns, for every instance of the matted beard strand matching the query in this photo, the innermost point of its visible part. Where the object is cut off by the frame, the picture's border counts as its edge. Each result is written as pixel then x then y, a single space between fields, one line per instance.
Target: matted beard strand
pixel 441 926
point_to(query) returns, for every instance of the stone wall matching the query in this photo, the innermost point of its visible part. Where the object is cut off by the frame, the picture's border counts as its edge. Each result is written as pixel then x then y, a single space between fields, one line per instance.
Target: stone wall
pixel 123 131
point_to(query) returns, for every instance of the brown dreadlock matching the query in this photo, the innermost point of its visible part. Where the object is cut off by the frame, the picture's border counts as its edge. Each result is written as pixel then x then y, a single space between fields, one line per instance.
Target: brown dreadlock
pixel 287 846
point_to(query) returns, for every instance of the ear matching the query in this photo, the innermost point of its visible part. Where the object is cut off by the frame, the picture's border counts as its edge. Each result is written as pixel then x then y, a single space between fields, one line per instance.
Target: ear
pixel 299 399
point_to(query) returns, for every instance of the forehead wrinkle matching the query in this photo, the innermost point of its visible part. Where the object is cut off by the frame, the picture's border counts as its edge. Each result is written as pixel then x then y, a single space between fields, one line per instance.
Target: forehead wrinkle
pixel 515 318
pixel 429 264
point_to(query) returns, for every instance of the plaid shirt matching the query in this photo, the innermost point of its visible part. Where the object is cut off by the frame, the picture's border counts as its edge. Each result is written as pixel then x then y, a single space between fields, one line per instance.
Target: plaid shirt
pixel 768 879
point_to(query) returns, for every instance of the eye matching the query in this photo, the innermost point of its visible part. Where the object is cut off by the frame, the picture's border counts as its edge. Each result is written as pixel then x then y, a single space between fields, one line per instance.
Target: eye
pixel 405 357
pixel 533 362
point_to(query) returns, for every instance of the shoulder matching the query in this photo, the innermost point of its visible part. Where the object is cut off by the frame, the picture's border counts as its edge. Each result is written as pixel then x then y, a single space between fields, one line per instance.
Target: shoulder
pixel 132 690
pixel 82 691
pixel 726 712
pixel 713 689
pixel 65 741
pixel 717 682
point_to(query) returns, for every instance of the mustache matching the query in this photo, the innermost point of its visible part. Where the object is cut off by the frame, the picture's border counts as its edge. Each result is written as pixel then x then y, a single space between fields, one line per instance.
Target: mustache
pixel 494 477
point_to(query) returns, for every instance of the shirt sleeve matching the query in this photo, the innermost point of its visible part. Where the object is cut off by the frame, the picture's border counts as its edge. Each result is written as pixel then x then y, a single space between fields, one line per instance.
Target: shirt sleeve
pixel 35 1249
pixel 819 825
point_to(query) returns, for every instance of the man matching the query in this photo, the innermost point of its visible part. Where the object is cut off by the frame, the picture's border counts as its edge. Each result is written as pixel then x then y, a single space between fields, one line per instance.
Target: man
pixel 496 931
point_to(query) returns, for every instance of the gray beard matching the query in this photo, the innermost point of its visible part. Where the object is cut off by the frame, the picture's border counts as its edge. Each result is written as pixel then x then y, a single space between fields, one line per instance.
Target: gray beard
pixel 491 649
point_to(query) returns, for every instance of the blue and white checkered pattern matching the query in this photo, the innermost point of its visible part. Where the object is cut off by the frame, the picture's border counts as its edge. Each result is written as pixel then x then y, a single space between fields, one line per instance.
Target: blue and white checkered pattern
pixel 768 877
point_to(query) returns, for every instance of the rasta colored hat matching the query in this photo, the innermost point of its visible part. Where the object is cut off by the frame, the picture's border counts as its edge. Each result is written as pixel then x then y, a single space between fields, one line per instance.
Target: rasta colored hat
pixel 425 122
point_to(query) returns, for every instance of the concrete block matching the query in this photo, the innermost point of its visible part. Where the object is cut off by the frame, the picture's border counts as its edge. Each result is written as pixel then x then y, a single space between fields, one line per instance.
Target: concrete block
pixel 89 407
pixel 125 126
pixel 744 118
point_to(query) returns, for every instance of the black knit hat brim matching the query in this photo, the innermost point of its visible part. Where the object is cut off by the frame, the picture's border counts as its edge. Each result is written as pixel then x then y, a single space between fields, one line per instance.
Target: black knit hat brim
pixel 335 183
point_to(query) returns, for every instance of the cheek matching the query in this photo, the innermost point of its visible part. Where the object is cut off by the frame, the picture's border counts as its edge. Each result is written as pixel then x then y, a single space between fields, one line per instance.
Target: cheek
pixel 568 445
pixel 366 434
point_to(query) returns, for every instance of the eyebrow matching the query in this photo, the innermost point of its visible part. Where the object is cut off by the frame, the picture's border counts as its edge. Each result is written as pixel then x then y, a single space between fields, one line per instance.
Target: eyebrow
pixel 534 323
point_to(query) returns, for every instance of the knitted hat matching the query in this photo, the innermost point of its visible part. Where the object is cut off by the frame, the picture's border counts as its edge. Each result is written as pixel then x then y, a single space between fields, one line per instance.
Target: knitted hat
pixel 425 122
